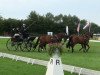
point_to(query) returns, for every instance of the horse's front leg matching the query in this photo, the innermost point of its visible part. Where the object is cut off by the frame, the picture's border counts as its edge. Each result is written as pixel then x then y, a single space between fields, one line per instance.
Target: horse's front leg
pixel 68 46
pixel 73 48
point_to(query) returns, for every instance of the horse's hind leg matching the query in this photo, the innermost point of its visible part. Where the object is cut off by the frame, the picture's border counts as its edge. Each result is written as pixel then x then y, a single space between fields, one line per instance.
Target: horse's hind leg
pixel 72 49
pixel 44 47
pixel 84 50
pixel 67 46
pixel 81 48
pixel 88 47
pixel 34 47
pixel 40 47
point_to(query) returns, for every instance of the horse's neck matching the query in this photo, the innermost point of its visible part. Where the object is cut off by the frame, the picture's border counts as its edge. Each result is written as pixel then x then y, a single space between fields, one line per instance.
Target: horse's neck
pixel 87 36
pixel 56 36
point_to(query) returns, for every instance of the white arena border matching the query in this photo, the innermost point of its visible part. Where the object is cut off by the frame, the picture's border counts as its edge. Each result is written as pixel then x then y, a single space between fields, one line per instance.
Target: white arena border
pixel 5 37
pixel 94 40
pixel 72 69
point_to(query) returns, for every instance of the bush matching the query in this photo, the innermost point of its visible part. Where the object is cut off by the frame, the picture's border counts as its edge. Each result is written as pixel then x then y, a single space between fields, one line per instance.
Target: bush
pixel 53 47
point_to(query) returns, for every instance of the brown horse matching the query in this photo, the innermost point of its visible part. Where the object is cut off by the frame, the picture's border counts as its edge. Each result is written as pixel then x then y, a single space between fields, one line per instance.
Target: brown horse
pixel 44 40
pixel 82 39
pixel 61 36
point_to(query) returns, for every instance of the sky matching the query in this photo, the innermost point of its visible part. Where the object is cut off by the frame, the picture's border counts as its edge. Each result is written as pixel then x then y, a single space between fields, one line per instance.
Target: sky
pixel 20 9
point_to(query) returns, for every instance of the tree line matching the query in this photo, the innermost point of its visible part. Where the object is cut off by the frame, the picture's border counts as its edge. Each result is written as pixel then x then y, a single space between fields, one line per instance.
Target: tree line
pixel 41 24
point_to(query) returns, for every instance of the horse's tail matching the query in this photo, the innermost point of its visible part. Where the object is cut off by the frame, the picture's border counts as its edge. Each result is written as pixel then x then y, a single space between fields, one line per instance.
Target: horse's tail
pixel 69 42
pixel 36 43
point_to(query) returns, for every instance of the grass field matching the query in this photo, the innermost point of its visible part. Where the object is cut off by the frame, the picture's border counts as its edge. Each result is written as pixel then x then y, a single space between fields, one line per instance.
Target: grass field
pixel 89 60
pixel 11 67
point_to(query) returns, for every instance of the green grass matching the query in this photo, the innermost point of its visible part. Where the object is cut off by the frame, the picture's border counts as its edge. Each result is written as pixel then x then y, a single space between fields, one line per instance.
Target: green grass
pixel 11 67
pixel 89 60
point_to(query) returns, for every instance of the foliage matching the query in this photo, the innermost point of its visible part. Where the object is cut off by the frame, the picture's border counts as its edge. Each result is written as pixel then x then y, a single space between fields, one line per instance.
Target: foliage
pixel 41 24
pixel 53 47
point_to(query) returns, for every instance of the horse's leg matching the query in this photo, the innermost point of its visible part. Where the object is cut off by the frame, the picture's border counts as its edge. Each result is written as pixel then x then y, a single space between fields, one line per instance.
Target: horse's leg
pixel 44 47
pixel 68 45
pixel 34 46
pixel 88 47
pixel 84 50
pixel 82 47
pixel 69 48
pixel 40 47
pixel 72 48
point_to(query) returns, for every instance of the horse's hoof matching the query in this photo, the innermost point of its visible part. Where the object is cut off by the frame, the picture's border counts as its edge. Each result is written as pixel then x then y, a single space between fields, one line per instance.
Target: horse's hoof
pixel 72 51
pixel 42 49
pixel 28 50
pixel 38 50
pixel 84 51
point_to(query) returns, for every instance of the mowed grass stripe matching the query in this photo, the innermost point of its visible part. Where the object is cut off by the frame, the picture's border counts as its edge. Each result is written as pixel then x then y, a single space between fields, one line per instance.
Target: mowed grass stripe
pixel 12 67
pixel 89 60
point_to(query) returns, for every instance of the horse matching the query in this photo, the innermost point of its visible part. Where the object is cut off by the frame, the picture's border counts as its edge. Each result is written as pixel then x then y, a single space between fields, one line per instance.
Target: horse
pixel 44 40
pixel 82 39
pixel 61 36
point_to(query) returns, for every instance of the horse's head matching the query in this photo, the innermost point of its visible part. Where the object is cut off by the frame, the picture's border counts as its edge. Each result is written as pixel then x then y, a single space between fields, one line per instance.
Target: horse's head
pixel 61 36
pixel 54 39
pixel 90 34
pixel 65 36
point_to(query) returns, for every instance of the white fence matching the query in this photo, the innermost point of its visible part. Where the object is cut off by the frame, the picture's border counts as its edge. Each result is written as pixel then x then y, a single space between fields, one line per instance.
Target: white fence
pixel 94 40
pixel 5 37
pixel 72 69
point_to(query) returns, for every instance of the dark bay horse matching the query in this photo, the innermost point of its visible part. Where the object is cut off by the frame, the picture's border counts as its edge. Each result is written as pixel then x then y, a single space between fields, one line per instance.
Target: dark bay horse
pixel 61 36
pixel 46 39
pixel 43 40
pixel 82 39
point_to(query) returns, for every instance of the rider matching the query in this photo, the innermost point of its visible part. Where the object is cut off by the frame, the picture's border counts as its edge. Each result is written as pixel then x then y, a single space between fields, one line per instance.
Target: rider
pixel 24 31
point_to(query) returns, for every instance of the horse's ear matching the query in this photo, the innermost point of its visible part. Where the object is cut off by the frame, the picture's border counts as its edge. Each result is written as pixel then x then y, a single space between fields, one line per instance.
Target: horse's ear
pixel 92 32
